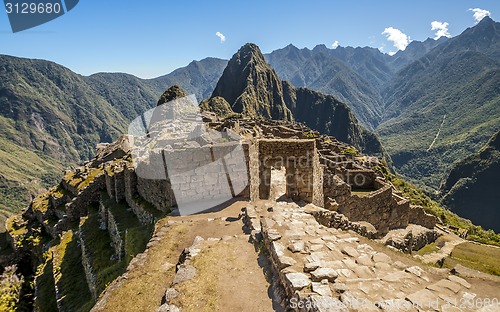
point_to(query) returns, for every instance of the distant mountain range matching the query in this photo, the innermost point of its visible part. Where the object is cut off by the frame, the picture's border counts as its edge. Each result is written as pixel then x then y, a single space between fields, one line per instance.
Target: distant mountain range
pixel 471 187
pixel 250 86
pixel 51 117
pixel 433 104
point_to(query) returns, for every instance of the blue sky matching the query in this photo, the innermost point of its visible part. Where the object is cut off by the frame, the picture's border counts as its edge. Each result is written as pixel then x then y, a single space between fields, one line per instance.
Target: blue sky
pixel 150 38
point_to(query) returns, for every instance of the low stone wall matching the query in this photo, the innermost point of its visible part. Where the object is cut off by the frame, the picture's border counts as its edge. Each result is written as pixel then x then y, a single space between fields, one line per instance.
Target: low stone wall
pixel 110 183
pixel 78 207
pixel 382 208
pixel 119 185
pixel 378 208
pixel 410 239
pixel 90 275
pixel 279 261
pixel 103 215
pixel 335 189
pixel 143 215
pixel 115 235
pixel 130 182
pixel 336 220
pixel 417 215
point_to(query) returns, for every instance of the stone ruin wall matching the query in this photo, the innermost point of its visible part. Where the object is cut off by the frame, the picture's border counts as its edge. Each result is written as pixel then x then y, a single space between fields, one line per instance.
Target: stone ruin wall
pixel 301 162
pixel 379 208
pixel 197 175
pixel 209 173
pixel 320 185
pixel 382 208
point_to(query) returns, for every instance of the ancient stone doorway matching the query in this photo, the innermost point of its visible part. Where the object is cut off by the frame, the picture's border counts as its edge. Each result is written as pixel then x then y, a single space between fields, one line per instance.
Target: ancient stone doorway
pixel 300 161
pixel 278 182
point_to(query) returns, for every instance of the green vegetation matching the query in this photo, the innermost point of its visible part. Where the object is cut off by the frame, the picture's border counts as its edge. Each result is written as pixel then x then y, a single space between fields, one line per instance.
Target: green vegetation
pixel 449 112
pixel 100 252
pixel 433 247
pixel 69 274
pixel 219 106
pixel 157 214
pixel 10 289
pixel 418 197
pixel 136 240
pixel 476 256
pixel 92 175
pixel 46 294
pixel 430 248
pixel 23 174
pixel 471 187
pixel 310 134
pixel 133 233
pixel 41 202
pixel 349 151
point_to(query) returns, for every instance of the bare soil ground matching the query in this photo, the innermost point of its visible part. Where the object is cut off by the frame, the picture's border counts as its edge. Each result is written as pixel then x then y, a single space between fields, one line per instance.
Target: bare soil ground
pixel 229 270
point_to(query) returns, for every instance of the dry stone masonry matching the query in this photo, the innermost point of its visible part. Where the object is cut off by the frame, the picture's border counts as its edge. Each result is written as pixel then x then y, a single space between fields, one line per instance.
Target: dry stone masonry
pixel 318 259
pixel 325 269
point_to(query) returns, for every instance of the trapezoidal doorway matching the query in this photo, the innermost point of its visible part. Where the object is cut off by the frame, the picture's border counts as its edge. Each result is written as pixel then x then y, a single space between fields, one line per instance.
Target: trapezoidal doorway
pixel 299 161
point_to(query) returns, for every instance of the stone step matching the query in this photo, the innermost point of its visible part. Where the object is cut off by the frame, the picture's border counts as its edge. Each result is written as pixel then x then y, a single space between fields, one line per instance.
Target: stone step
pixel 71 289
pixel 98 257
pixel 45 295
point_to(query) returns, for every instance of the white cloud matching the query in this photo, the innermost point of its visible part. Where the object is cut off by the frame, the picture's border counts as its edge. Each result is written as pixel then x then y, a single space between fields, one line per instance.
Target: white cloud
pixel 335 44
pixel 441 29
pixel 398 38
pixel 479 14
pixel 221 36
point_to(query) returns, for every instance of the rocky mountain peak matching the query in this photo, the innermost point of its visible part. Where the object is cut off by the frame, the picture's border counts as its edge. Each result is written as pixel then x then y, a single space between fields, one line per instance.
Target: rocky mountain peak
pixel 172 93
pixel 251 86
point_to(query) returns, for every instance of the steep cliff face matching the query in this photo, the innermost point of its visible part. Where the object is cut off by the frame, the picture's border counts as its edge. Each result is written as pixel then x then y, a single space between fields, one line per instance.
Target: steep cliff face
pixel 471 187
pixel 251 87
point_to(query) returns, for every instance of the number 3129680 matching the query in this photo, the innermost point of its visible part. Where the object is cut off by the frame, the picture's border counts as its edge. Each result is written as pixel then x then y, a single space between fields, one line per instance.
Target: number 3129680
pixel 33 8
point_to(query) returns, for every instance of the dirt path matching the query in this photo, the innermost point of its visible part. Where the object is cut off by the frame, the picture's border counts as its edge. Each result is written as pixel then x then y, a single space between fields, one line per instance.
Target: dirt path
pixel 230 268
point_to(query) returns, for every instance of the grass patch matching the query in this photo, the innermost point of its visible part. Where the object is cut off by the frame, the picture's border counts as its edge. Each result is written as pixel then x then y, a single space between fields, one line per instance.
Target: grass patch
pixel 100 251
pixel 71 180
pixel 41 202
pixel 46 295
pixel 430 248
pixel 15 228
pixel 93 174
pixel 418 197
pixel 475 256
pixel 136 240
pixel 133 233
pixel 351 151
pixel 70 276
pixel 200 293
